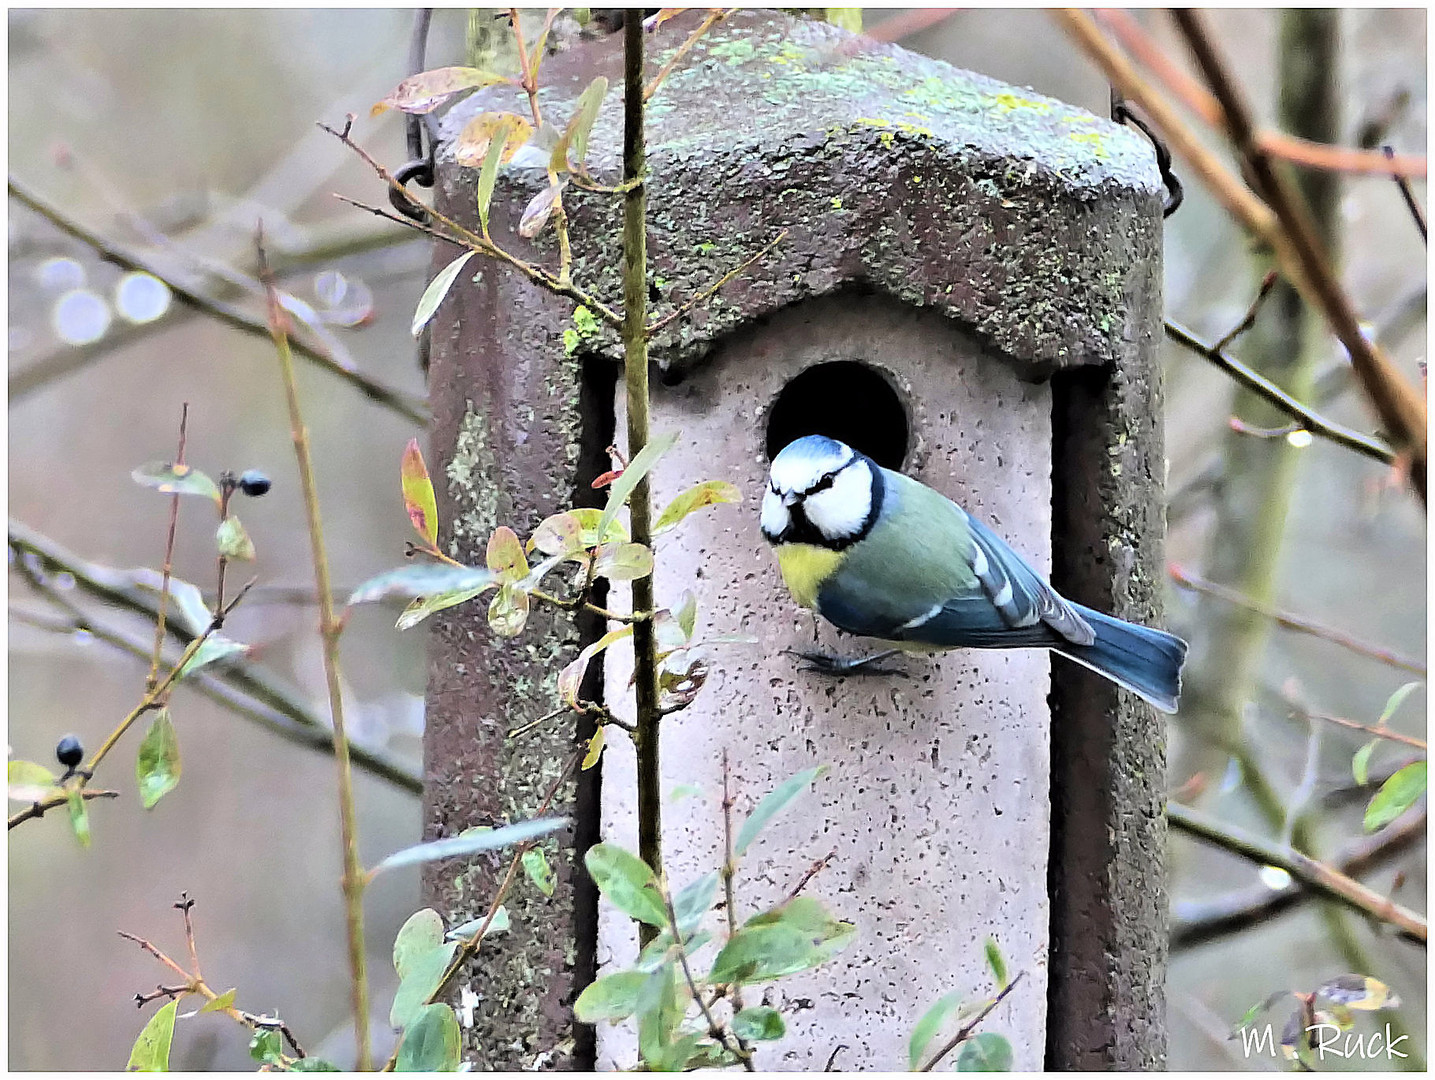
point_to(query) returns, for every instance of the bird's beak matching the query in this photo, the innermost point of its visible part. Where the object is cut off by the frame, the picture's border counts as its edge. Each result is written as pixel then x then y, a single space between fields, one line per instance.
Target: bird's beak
pixel 791 499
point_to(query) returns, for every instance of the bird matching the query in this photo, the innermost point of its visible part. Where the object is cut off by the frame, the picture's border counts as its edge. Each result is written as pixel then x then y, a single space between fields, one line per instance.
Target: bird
pixel 881 555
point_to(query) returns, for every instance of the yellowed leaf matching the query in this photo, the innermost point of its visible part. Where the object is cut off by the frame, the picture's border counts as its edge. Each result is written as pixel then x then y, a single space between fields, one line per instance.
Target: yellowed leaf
pixel 426 91
pixel 471 146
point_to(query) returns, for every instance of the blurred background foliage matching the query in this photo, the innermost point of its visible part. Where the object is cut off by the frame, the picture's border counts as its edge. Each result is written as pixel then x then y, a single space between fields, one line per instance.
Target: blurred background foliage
pixel 173 131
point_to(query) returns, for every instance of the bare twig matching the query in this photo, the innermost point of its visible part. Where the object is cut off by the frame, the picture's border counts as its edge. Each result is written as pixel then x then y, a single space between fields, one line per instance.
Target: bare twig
pixel 1380 732
pixel 1400 408
pixel 679 312
pixel 812 871
pixel 729 867
pixel 1318 875
pixel 971 1025
pixel 1309 419
pixel 329 631
pixel 1288 621
pixel 1247 320
pixel 1403 182
pixel 38 809
pixel 226 313
pixel 153 676
pixel 716 1030
pixel 682 51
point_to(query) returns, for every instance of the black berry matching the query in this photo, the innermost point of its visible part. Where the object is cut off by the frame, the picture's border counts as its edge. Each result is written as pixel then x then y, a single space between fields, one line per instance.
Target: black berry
pixel 69 751
pixel 253 483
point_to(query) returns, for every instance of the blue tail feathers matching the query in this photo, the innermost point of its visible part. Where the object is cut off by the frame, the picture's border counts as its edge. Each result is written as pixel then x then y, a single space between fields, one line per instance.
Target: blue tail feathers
pixel 1145 661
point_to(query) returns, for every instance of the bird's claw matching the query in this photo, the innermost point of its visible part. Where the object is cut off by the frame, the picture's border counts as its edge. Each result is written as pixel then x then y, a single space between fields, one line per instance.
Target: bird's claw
pixel 839 666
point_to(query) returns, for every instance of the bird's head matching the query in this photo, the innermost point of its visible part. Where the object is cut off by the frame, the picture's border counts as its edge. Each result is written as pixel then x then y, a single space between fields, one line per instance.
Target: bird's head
pixel 820 491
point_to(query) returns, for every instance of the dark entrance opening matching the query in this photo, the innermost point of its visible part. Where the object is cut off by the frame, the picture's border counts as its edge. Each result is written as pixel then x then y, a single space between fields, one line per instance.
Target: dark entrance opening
pixel 844 400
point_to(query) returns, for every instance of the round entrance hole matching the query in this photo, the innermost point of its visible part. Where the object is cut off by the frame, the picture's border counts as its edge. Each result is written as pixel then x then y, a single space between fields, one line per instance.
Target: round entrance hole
pixel 844 400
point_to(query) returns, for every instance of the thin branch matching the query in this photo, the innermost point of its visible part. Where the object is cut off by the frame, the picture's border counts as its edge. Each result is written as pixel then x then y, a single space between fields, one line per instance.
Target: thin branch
pixel 1194 96
pixel 812 871
pixel 682 50
pixel 240 685
pixel 1403 183
pixel 1318 875
pixel 329 631
pixel 715 286
pixel 1197 922
pixel 464 237
pixel 962 1036
pixel 1248 320
pixel 1400 408
pixel 231 316
pixel 1380 732
pixel 1295 623
pixel 716 1030
pixel 1309 419
pixel 35 810
pixel 729 868
pixel 153 676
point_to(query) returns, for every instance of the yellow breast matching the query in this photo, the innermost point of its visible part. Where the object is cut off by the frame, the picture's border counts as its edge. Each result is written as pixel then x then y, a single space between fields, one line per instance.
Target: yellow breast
pixel 804 568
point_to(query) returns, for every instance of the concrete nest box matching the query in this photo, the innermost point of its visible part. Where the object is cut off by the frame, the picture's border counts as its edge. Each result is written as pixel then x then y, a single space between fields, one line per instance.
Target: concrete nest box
pixel 969 291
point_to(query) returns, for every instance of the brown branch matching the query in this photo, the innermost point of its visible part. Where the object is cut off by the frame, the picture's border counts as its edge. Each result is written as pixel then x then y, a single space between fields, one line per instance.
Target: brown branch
pixel 719 1033
pixel 812 871
pixel 1134 39
pixel 1295 623
pixel 1318 875
pixel 35 810
pixel 1380 732
pixel 1248 319
pixel 962 1036
pixel 1403 183
pixel 1400 408
pixel 729 868
pixel 228 314
pixel 1197 922
pixel 168 567
pixel 653 328
pixel 1309 419
pixel 682 51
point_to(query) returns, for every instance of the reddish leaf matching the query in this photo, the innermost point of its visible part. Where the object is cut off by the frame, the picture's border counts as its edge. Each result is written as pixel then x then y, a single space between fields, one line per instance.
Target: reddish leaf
pixel 418 492
pixel 606 479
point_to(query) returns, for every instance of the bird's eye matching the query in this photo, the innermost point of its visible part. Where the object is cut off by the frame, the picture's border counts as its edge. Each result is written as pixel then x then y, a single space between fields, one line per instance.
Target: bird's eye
pixel 822 485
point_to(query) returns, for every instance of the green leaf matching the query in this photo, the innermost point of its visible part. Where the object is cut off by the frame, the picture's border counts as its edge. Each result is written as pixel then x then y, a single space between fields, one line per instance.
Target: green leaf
pixel 660 1011
pixel 759 953
pixel 1359 992
pixel 708 493
pixel 1394 702
pixel 677 1054
pixel 426 91
pixel 538 211
pixel 559 534
pixel 29 782
pixel 425 972
pixel 215 649
pixel 986 1052
pixel 694 902
pixel 759 1023
pixel 927 1027
pixel 422 580
pixel 471 843
pixel 508 611
pixel 266 1046
pixel 589 518
pixel 773 804
pixel 417 490
pixel 686 614
pixel 420 609
pixel 595 750
pixel 535 865
pixel 505 555
pixel 996 962
pixel 1256 1010
pixel 171 479
pixel 627 882
pixel 79 816
pixel 157 766
pixel 232 541
pixel 437 289
pixel 494 156
pixel 1396 796
pixel 189 605
pixel 623 562
pixel 432 1043
pixel 222 1002
pixel 150 1052
pixel 499 925
pixel 660 950
pixel 422 932
pixel 613 997
pixel 1360 763
pixel 826 933
pixel 574 143
pixel 638 468
pixel 570 679
pixel 312 1064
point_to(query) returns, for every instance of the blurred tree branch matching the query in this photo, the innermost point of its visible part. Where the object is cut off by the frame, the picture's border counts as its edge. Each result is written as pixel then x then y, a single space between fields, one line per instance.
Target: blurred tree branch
pixel 236 318
pixel 240 685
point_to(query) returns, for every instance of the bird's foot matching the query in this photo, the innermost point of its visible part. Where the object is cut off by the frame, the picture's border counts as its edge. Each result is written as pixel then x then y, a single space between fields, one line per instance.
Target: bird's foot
pixel 840 666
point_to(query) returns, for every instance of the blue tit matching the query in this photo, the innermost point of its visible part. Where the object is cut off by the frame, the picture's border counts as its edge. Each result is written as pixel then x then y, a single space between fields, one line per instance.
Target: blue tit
pixel 878 554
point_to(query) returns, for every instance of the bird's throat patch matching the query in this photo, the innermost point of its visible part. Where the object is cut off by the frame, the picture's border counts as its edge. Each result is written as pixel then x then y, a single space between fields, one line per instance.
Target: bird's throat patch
pixel 805 567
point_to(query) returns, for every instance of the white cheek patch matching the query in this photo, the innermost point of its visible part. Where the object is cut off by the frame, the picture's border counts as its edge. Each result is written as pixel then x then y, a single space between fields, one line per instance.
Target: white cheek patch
pixel 839 512
pixel 775 517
